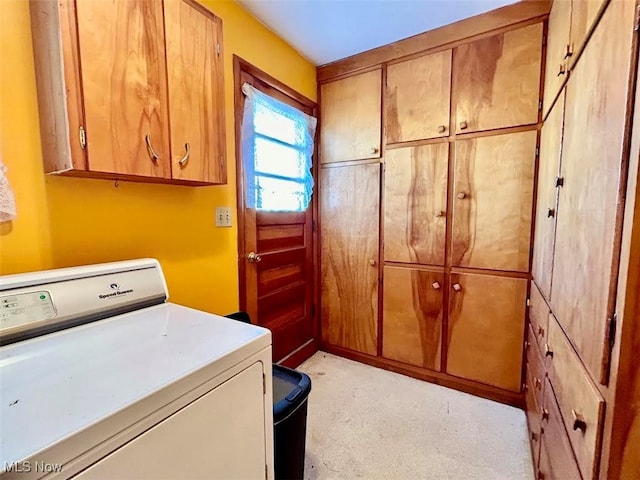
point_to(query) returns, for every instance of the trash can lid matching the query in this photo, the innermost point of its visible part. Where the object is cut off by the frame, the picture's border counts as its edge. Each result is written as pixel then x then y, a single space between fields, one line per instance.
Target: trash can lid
pixel 290 389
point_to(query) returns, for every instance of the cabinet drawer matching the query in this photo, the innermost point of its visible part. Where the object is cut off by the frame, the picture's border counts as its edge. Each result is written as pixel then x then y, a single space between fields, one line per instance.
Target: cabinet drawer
pixel 535 367
pixel 533 419
pixel 538 316
pixel 580 403
pixel 561 457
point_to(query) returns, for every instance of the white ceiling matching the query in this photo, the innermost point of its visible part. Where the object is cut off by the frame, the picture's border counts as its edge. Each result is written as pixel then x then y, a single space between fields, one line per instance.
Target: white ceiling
pixel 328 30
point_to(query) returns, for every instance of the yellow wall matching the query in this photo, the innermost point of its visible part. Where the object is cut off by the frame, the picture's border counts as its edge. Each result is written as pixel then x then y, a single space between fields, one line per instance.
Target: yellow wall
pixel 66 221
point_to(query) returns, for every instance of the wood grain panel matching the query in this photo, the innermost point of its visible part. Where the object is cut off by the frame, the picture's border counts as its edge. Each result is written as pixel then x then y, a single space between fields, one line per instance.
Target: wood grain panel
pixel 418 94
pixel 487 347
pixel 544 471
pixel 349 224
pixel 576 395
pixel 196 92
pixel 350 118
pixel 412 316
pixel 415 204
pixel 561 458
pixel 274 237
pixel 439 37
pixel 536 369
pixel 538 316
pixel 496 80
pixel 557 44
pixel 492 221
pixel 124 84
pixel 546 200
pixel 583 15
pixel 592 161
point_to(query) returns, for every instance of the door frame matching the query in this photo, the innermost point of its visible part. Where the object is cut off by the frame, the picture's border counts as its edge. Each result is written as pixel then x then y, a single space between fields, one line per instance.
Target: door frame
pixel 270 83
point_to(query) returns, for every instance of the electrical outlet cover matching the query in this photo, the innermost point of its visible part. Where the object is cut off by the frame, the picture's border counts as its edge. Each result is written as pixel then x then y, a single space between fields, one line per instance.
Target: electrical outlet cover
pixel 223 217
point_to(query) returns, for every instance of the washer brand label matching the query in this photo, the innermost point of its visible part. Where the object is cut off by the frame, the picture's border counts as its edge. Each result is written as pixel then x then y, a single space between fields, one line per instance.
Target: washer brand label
pixel 115 294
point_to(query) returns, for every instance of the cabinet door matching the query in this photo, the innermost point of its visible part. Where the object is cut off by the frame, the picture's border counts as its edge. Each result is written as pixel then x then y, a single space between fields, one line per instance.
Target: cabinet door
pixel 583 16
pixel 492 201
pixel 412 316
pixel 350 118
pixel 558 48
pixel 545 223
pixel 418 93
pixel 196 92
pixel 415 202
pixel 589 213
pixel 125 86
pixel 349 213
pixel 496 80
pixel 486 329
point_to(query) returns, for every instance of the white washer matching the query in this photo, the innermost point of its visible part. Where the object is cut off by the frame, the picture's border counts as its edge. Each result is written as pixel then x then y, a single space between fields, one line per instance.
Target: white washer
pixel 101 378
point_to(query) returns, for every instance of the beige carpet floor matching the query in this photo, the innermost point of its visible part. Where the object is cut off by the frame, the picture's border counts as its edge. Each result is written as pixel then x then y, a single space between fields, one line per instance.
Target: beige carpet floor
pixel 364 422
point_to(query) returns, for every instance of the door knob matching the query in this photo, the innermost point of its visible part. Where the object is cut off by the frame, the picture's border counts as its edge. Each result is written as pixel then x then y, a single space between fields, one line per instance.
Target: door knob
pixel 253 257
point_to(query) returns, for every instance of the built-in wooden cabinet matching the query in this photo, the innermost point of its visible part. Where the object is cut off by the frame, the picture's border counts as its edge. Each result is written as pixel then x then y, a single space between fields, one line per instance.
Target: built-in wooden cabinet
pixel 130 90
pixel 418 93
pixel 486 329
pixel 413 311
pixel 496 80
pixel 493 201
pixel 558 51
pixel 415 204
pixel 349 225
pixel 351 118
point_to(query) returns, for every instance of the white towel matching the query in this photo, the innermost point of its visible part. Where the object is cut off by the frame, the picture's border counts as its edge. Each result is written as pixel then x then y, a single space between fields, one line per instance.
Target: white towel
pixel 7 201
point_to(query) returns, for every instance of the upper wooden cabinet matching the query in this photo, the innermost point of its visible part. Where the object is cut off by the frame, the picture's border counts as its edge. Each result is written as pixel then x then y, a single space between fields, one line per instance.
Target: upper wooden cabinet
pixel 589 212
pixel 196 92
pixel 113 77
pixel 558 51
pixel 546 206
pixel 496 80
pixel 415 204
pixel 351 117
pixel 418 93
pixel 493 200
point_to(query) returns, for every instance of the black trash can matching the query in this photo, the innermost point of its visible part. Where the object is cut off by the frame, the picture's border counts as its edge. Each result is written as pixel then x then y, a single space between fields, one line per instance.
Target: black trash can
pixel 290 393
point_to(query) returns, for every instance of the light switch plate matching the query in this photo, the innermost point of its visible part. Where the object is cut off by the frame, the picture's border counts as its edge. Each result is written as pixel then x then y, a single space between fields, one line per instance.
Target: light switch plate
pixel 223 216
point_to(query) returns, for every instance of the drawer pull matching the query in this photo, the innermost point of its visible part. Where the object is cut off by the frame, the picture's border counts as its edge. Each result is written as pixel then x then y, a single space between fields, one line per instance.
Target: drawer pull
pixel 457 287
pixel 463 125
pixel 435 285
pixel 442 129
pixel 525 387
pixel 540 331
pixel 154 156
pixel 547 351
pixel 534 436
pixel 579 422
pixel 526 345
pixel 440 213
pixel 540 476
pixel 561 70
pixel 374 150
pixel 545 414
pixel 183 161
pixel 551 213
pixel 537 383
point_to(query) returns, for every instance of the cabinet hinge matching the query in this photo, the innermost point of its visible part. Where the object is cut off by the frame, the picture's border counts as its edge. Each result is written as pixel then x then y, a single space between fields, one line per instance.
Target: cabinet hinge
pixel 528 302
pixel 636 22
pixel 540 105
pixel 218 49
pixel 611 330
pixel 83 138
pixel 544 40
pixel 264 384
pixel 537 151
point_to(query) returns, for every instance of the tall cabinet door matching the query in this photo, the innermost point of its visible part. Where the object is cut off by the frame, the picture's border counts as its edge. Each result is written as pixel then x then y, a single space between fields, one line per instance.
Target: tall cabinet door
pixel 351 118
pixel 412 326
pixel 496 80
pixel 196 92
pixel 492 201
pixel 415 201
pixel 127 117
pixel 589 220
pixel 486 328
pixel 418 93
pixel 558 50
pixel 546 208
pixel 349 232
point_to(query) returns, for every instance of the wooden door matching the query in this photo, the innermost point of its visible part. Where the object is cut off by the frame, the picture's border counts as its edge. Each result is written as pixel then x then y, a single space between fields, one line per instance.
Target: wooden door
pixel 412 316
pixel 350 118
pixel 415 204
pixel 546 201
pixel 486 329
pixel 124 82
pixel 196 92
pixel 496 80
pixel 589 213
pixel 349 212
pixel 492 201
pixel 275 248
pixel 418 94
pixel 558 51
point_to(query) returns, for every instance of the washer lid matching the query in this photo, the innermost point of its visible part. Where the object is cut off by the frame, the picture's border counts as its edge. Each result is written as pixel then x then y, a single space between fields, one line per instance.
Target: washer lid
pixel 55 385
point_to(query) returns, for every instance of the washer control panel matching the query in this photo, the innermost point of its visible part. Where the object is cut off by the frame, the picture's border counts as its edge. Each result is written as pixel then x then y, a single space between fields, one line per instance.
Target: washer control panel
pixel 25 308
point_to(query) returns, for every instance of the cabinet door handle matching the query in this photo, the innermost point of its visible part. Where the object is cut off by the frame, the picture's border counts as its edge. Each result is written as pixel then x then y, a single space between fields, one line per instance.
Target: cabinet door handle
pixel 534 436
pixel 463 125
pixel 551 212
pixel 457 287
pixel 435 285
pixel 461 195
pixel 183 161
pixel 547 351
pixel 540 331
pixel 545 414
pixel 372 262
pixel 561 70
pixel 442 129
pixel 154 156
pixel 440 213
pixel 568 53
pixel 579 422
pixel 375 150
